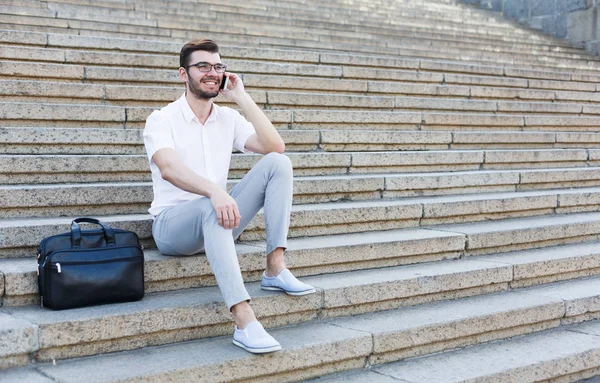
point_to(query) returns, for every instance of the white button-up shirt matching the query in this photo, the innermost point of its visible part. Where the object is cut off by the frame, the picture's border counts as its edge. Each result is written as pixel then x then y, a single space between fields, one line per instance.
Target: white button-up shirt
pixel 206 149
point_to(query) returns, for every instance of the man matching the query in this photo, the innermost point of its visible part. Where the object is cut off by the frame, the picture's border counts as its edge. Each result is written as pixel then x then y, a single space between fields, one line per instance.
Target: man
pixel 189 144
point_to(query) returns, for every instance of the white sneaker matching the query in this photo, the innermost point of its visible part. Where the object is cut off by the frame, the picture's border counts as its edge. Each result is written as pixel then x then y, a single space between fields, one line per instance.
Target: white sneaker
pixel 287 283
pixel 255 339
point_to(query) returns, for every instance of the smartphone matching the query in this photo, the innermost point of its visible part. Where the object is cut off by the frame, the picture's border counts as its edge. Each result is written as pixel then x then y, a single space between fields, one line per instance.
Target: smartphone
pixel 225 82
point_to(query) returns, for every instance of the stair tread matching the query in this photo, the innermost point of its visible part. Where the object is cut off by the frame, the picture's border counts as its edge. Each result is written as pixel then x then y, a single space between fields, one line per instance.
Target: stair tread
pixel 371 329
pixel 533 356
pixel 525 264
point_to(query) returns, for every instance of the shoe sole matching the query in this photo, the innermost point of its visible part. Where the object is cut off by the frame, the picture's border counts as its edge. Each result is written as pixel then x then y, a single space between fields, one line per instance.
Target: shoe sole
pixel 294 293
pixel 257 350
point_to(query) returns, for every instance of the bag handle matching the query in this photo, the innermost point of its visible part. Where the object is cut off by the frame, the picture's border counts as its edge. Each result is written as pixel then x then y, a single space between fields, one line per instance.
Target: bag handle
pixel 109 235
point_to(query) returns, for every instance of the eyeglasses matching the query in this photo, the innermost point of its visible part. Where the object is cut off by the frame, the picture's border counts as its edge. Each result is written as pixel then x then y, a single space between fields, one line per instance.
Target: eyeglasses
pixel 205 67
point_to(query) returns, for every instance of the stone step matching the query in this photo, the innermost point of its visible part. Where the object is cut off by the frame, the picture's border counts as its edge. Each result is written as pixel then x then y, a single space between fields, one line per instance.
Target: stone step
pixel 416 4
pixel 478 58
pixel 333 188
pixel 344 253
pixel 73 93
pixel 99 116
pixel 375 338
pixel 363 42
pixel 372 15
pixel 75 141
pixel 130 141
pixel 441 6
pixel 405 185
pixel 223 11
pixel 168 59
pixel 34 169
pixel 568 353
pixel 47 169
pixel 163 55
pixel 333 66
pixel 21 236
pixel 427 36
pixel 256 21
pixel 378 17
pixel 305 256
pixel 355 140
pixel 436 50
pixel 291 92
pixel 300 11
pixel 383 68
pixel 524 233
pixel 135 197
pixel 307 219
pixel 297 6
pixel 26 3
pixel 341 44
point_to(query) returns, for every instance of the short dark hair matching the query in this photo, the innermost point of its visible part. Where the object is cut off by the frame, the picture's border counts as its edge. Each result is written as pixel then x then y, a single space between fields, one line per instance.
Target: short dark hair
pixel 196 45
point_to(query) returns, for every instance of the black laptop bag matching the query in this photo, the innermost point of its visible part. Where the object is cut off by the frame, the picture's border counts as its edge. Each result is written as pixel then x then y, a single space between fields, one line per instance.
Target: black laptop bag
pixel 90 267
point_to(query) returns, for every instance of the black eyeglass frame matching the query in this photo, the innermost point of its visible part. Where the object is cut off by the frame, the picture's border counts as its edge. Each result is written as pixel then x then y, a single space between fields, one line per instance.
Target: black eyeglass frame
pixel 212 66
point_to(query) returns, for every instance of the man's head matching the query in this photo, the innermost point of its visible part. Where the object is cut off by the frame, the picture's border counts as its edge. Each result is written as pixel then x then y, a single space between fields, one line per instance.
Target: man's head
pixel 201 68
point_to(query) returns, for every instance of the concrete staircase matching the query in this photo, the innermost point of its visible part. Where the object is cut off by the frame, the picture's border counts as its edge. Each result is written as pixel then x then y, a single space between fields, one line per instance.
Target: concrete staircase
pixel 446 191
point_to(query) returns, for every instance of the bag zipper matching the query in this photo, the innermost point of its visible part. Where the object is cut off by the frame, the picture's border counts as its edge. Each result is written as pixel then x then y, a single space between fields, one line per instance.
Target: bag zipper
pixel 51 255
pixel 59 267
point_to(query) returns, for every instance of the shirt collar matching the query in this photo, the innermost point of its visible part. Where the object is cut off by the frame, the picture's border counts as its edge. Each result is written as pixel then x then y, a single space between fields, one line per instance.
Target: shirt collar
pixel 188 113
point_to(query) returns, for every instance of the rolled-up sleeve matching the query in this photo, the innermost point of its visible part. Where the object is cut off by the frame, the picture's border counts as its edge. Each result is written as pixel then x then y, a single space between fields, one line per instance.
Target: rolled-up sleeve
pixel 157 134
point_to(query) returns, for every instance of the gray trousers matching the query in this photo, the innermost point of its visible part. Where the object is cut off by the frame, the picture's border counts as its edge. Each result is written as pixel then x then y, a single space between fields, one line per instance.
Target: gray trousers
pixel 192 226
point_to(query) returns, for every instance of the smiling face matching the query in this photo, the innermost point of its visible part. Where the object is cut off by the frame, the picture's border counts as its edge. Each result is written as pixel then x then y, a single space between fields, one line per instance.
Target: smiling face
pixel 202 85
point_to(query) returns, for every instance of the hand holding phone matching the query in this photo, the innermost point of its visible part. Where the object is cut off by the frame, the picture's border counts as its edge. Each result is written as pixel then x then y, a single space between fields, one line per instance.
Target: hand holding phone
pixel 224 82
pixel 232 87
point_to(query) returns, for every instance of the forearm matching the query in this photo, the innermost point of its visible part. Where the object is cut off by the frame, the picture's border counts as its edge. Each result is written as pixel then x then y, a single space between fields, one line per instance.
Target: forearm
pixel 265 131
pixel 186 179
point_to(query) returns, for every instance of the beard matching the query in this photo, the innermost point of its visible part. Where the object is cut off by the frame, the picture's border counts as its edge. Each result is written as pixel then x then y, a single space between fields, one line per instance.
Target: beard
pixel 194 87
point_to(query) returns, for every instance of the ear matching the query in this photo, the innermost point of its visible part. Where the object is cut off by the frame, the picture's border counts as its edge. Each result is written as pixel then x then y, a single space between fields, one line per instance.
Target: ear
pixel 183 74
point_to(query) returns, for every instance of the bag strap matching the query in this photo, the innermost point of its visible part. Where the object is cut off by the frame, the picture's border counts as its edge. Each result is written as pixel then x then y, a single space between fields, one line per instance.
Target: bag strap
pixel 109 235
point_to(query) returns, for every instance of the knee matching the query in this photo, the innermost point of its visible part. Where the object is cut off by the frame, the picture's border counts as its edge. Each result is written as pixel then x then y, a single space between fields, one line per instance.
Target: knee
pixel 279 163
